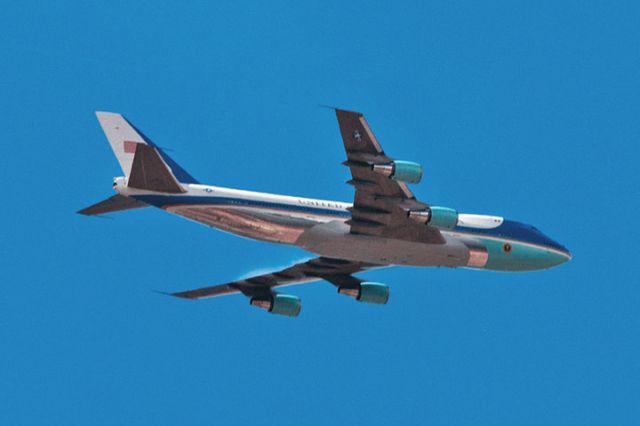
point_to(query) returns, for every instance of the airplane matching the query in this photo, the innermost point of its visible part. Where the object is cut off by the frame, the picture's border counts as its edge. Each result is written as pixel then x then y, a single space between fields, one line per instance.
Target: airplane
pixel 386 225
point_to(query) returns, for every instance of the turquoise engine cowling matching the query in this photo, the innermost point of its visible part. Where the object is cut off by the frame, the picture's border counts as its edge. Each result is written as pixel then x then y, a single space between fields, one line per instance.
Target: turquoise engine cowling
pixel 406 171
pixel 371 292
pixel 280 304
pixel 443 217
pixel 285 304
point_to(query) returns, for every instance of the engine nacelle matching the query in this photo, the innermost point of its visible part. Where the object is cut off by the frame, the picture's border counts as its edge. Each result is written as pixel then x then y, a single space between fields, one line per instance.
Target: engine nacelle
pixel 368 292
pixel 441 217
pixel 405 171
pixel 281 304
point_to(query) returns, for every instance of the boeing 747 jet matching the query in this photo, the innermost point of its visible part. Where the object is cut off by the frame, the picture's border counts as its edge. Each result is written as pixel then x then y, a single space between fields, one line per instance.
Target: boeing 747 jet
pixel 384 226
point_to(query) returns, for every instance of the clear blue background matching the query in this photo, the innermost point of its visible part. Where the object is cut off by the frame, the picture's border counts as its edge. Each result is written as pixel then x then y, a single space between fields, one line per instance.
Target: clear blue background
pixel 524 109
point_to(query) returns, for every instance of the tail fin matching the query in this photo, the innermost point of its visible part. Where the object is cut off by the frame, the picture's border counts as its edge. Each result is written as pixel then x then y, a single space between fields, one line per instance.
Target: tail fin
pixel 142 162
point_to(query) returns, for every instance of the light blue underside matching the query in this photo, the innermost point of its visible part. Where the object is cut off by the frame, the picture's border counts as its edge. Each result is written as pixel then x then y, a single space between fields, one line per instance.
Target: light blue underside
pixel 521 257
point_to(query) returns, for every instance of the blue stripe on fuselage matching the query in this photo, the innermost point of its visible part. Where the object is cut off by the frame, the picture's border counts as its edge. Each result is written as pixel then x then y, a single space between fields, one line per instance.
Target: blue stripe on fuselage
pixel 168 200
pixel 516 231
pixel 509 229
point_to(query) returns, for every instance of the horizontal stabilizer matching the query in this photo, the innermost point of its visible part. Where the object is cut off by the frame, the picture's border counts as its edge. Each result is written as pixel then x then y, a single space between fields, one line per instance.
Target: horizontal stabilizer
pixel 150 172
pixel 113 204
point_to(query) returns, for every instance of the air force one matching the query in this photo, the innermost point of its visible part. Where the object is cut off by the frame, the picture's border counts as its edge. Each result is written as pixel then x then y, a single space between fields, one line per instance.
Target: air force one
pixel 385 226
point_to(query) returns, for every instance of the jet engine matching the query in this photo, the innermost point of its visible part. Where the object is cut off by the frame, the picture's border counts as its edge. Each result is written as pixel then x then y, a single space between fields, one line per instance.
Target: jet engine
pixel 281 304
pixel 405 171
pixel 440 217
pixel 367 292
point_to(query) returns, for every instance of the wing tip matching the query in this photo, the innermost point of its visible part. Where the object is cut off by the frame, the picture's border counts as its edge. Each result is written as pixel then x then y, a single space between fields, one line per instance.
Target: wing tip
pixel 340 110
pixel 105 114
pixel 166 293
pixel 328 106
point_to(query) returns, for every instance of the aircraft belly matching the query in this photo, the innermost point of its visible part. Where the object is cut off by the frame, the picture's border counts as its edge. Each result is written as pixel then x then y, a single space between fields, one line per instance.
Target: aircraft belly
pixel 252 223
pixel 334 240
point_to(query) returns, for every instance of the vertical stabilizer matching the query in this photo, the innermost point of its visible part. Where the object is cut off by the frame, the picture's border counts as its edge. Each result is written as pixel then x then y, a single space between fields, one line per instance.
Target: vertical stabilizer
pixel 124 139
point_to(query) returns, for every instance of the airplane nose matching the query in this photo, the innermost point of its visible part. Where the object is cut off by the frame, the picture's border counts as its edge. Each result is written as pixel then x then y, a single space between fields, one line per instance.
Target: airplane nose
pixel 555 258
pixel 568 255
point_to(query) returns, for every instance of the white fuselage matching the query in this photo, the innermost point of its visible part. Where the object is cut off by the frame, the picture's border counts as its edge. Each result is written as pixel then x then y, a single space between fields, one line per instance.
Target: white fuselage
pixel 315 225
pixel 319 227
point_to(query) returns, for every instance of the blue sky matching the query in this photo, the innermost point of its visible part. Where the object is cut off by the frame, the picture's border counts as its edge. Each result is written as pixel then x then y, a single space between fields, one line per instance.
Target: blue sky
pixel 523 109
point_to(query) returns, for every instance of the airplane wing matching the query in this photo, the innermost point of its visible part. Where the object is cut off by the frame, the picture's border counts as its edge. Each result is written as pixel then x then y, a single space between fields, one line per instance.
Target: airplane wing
pixel 381 204
pixel 336 271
